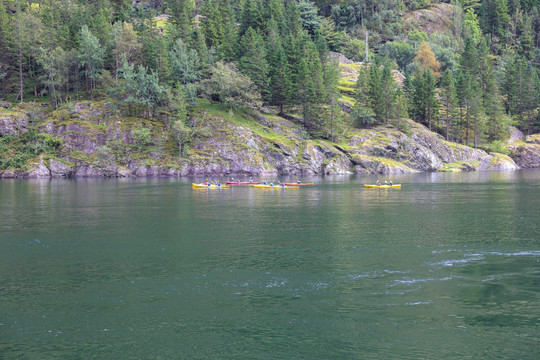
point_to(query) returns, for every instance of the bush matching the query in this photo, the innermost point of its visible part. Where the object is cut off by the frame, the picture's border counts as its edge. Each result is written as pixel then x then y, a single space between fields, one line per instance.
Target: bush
pixel 498 146
pixel 16 151
pixel 141 136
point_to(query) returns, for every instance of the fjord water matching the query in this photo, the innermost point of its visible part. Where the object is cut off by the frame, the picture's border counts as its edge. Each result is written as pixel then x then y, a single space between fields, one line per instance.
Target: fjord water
pixel 447 267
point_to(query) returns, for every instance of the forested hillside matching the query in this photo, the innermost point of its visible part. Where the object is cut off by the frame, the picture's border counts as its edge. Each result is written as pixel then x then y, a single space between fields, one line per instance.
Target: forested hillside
pixel 470 68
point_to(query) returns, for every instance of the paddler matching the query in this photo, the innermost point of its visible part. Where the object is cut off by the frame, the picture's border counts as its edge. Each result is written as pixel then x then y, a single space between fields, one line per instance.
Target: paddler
pixel 391 183
pixel 378 182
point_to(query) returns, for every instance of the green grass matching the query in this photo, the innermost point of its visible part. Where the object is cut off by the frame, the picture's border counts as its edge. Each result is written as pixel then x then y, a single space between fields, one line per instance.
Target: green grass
pixel 17 151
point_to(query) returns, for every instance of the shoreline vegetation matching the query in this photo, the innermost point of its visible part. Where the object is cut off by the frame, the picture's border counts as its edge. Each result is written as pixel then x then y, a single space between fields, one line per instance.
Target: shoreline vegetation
pixel 260 88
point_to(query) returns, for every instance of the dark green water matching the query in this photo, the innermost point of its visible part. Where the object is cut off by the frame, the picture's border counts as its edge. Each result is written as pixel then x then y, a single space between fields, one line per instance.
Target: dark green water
pixel 448 267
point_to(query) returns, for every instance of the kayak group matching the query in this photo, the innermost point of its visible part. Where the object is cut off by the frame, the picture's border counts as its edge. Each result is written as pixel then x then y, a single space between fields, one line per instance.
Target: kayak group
pixel 282 185
pixel 263 184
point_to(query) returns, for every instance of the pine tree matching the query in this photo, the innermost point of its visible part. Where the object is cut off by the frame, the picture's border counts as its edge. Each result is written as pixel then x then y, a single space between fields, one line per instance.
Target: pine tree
pixel 253 61
pixel 310 93
pixel 181 15
pixel 375 89
pixel 197 42
pixel 389 94
pixel 424 104
pixel 274 9
pixel 278 72
pixel 331 81
pixel 252 17
pixel 449 100
pixel 6 44
pixel 184 65
pixel 362 112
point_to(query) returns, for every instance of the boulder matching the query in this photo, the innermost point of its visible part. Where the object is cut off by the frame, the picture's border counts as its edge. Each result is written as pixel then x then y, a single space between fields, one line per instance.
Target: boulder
pixel 514 135
pixel 526 155
pixel 59 169
pixel 496 161
pixel 39 171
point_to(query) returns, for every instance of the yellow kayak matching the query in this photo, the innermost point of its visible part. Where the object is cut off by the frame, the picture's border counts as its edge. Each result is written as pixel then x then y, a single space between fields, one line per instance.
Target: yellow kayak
pixel 382 186
pixel 212 186
pixel 262 186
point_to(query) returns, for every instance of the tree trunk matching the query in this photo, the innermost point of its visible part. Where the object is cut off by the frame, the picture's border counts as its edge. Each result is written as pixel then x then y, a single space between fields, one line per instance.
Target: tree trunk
pixel 475 125
pixel 467 127
pixel 447 119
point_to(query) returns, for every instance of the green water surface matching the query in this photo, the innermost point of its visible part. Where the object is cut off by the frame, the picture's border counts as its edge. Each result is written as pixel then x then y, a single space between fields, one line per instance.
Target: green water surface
pixel 447 267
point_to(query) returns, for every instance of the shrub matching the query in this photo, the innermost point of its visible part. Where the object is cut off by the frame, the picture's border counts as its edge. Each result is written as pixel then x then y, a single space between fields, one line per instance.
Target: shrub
pixel 498 146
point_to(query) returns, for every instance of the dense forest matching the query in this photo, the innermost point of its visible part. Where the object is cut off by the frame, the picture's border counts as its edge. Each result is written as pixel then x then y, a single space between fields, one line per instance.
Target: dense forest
pixel 470 67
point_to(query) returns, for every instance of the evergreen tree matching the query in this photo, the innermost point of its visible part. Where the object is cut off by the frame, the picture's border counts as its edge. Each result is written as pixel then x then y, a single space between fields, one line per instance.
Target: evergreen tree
pixel 449 101
pixel 424 105
pixel 382 92
pixel 181 15
pixel 362 112
pixel 375 89
pixel 252 17
pixel 184 65
pixel 389 95
pixel 197 42
pixel 309 15
pixel 278 72
pixel 253 61
pixel 310 93
pixel 274 9
pixel 6 44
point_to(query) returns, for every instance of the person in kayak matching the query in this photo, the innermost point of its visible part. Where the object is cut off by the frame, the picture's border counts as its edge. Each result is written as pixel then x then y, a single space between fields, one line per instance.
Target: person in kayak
pixel 391 183
pixel 265 182
pixel 282 184
pixel 250 180
pixel 378 182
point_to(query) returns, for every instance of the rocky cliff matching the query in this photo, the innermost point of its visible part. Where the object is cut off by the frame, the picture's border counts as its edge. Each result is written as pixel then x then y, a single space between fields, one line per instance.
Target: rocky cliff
pixel 97 141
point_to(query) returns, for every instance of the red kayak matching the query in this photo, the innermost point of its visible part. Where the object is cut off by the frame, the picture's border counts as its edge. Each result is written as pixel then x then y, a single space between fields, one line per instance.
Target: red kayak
pixel 241 183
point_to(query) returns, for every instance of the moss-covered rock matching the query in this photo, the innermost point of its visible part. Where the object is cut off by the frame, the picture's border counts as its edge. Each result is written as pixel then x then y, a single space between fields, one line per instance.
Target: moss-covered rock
pixel 526 155
pixel 496 161
pixel 95 140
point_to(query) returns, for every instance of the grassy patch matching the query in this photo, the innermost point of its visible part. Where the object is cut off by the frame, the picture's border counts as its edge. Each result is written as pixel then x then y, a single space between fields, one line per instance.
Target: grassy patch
pixel 17 151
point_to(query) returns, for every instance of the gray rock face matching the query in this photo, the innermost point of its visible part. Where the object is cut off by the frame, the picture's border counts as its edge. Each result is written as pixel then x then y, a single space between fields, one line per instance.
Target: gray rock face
pixel 495 161
pixel 515 135
pixel 526 155
pixel 96 142
pixel 13 124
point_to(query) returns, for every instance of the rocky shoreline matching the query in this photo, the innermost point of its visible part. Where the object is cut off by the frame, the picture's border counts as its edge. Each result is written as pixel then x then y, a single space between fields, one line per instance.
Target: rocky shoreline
pixel 98 142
